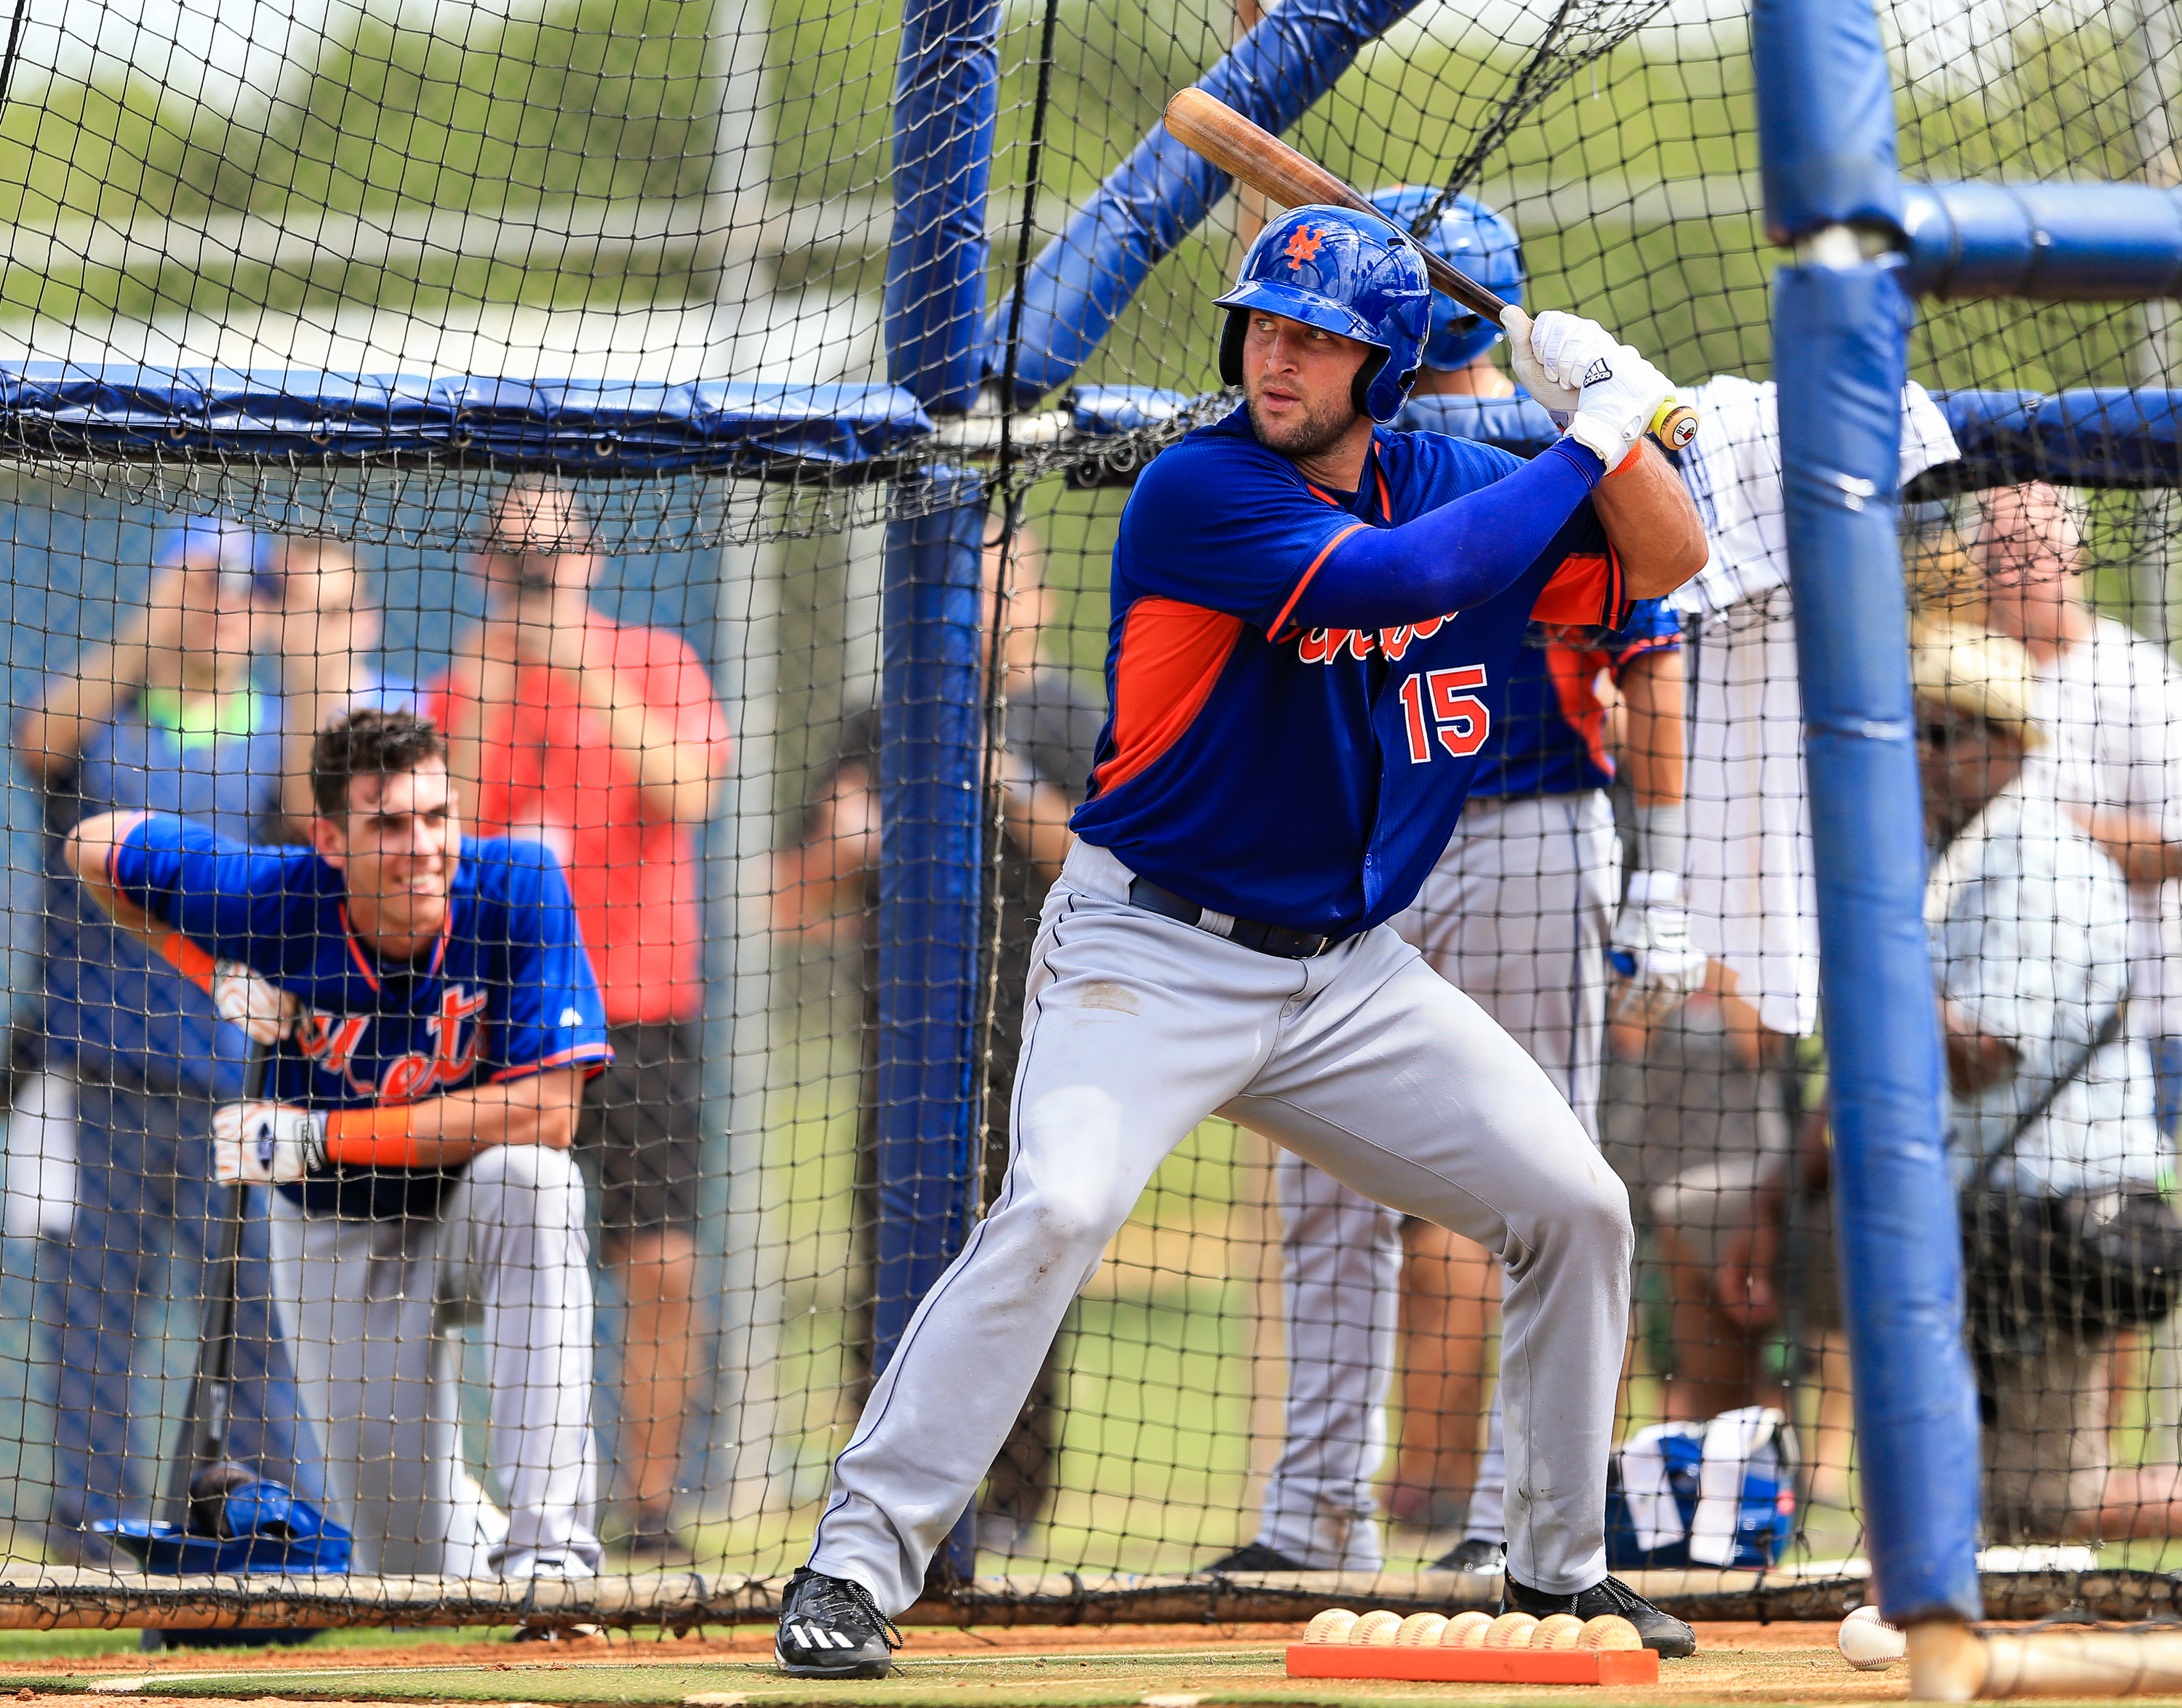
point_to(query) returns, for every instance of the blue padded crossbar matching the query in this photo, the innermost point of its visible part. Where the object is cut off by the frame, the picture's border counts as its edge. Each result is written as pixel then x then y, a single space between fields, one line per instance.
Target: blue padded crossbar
pixel 2099 436
pixel 2106 436
pixel 2053 242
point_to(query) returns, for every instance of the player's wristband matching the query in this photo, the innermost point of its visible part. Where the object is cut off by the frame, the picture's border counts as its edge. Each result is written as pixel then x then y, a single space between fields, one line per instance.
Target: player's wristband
pixel 186 958
pixel 378 1137
pixel 1661 834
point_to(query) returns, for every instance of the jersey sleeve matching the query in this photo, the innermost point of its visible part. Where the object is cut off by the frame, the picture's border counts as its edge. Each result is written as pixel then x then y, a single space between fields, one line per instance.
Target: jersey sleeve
pixel 552 1016
pixel 228 897
pixel 1216 524
pixel 1587 587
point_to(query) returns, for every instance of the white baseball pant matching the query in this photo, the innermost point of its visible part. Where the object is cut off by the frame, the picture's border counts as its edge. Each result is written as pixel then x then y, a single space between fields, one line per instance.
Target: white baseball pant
pixel 1362 1061
pixel 366 1305
pixel 1517 914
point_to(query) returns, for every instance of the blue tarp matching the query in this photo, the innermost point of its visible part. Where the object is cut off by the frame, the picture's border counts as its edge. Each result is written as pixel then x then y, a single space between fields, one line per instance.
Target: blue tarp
pixel 2098 437
pixel 593 426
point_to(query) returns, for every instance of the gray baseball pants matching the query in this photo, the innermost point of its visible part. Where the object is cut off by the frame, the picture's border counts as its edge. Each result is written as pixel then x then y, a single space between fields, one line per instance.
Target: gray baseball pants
pixel 1517 914
pixel 1362 1061
pixel 366 1308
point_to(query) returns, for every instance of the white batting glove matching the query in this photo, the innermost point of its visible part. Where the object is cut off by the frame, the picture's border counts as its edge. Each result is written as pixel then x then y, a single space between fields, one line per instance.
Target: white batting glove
pixel 1621 393
pixel 266 1144
pixel 1568 347
pixel 1531 374
pixel 1651 953
pixel 252 1001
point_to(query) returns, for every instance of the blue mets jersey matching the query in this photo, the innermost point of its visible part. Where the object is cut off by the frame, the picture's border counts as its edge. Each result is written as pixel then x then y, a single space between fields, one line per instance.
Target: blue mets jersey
pixel 1307 779
pixel 1548 723
pixel 507 991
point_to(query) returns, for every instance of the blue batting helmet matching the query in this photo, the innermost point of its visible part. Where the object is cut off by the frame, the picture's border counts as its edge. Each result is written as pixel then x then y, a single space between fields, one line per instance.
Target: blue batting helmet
pixel 1342 272
pixel 1470 235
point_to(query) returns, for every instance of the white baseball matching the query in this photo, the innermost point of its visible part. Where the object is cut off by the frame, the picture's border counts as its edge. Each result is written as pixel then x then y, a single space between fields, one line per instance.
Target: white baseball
pixel 1868 1643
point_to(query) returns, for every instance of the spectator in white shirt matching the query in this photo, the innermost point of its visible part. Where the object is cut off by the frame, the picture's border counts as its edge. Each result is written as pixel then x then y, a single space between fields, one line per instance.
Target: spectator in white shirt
pixel 2113 702
pixel 2029 921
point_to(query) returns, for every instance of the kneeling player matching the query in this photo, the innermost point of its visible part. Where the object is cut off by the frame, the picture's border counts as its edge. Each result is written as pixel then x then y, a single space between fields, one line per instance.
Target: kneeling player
pixel 438 1017
pixel 1306 611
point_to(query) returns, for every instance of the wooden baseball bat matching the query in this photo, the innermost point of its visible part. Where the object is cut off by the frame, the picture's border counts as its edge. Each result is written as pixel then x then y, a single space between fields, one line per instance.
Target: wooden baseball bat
pixel 1952 1663
pixel 1252 155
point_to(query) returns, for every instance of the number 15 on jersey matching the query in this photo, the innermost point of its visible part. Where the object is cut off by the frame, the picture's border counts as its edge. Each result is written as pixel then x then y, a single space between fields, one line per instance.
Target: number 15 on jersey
pixel 1439 703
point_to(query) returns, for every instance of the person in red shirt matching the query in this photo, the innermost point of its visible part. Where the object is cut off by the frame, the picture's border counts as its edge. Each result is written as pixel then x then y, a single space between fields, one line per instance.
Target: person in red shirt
pixel 604 741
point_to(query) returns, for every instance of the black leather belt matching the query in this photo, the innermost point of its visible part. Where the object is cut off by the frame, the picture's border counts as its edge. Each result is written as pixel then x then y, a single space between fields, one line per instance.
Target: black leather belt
pixel 1251 933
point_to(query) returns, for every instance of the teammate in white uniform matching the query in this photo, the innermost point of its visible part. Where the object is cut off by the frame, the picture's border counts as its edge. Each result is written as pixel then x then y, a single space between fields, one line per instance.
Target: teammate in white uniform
pixel 1306 607
pixel 1752 904
pixel 434 1016
pixel 1517 913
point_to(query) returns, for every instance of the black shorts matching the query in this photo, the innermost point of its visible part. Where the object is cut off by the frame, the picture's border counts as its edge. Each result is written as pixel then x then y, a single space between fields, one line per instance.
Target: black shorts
pixel 640 1128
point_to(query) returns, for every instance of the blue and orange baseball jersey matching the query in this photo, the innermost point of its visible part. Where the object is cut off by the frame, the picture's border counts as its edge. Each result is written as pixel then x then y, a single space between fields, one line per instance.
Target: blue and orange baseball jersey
pixel 1308 779
pixel 1548 723
pixel 507 989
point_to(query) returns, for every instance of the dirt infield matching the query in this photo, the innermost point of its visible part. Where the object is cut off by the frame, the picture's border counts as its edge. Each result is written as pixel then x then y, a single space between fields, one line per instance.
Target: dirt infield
pixel 1111 1667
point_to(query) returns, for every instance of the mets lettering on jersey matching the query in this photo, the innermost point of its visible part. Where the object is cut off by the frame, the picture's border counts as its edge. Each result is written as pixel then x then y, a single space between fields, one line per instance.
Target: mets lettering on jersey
pixel 1309 780
pixel 507 991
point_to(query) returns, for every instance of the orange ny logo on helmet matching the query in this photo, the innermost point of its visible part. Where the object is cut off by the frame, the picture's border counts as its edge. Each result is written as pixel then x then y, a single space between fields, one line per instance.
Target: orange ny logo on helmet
pixel 1302 245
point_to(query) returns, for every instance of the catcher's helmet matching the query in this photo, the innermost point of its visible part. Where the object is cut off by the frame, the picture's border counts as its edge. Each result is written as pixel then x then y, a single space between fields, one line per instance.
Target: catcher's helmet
pixel 1470 235
pixel 1342 272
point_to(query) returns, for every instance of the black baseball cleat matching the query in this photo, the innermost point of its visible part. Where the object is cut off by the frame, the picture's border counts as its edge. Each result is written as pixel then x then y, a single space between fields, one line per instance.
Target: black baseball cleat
pixel 830 1627
pixel 1254 1556
pixel 1662 1632
pixel 1474 1554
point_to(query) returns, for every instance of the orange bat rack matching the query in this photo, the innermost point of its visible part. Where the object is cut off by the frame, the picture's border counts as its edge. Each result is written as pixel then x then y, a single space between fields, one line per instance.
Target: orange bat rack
pixel 1474 1665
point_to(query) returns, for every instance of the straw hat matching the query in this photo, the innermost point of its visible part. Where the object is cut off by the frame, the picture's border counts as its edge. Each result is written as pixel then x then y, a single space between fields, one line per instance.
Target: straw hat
pixel 1988 676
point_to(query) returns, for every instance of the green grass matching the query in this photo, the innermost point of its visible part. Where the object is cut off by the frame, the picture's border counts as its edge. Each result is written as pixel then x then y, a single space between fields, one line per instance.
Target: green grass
pixel 1066 1681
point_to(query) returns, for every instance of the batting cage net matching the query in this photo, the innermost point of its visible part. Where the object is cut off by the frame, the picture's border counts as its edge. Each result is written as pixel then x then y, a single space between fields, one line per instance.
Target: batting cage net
pixel 717 420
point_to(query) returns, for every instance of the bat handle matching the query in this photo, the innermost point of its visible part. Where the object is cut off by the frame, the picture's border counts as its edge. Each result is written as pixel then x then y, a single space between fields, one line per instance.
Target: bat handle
pixel 1674 424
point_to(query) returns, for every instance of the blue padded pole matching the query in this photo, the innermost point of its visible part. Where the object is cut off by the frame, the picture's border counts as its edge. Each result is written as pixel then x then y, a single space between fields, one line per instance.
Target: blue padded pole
pixel 1083 279
pixel 946 96
pixel 930 715
pixel 931 864
pixel 1839 343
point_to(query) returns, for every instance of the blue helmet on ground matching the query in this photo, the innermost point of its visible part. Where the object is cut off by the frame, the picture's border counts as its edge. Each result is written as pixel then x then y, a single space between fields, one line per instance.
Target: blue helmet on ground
pixel 1470 236
pixel 1342 272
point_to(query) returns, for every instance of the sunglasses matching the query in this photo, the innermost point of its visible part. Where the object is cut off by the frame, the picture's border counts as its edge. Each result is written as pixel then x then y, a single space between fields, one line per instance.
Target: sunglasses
pixel 1932 733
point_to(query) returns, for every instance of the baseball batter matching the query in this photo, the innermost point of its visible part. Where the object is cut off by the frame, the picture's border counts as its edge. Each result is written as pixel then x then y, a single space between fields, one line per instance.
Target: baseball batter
pixel 437 1017
pixel 1519 914
pixel 1306 608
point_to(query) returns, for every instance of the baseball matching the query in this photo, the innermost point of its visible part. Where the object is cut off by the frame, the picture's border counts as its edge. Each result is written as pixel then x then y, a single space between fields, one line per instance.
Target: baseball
pixel 1466 1631
pixel 1421 1631
pixel 1868 1643
pixel 1609 1630
pixel 1332 1626
pixel 1377 1628
pixel 1557 1631
pixel 1510 1631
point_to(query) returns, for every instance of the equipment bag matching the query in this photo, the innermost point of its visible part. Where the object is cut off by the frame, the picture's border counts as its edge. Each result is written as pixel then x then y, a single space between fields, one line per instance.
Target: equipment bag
pixel 2082 1263
pixel 1717 1494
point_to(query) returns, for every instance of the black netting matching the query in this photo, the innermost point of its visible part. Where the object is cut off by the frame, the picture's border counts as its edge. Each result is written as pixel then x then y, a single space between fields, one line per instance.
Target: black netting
pixel 550 370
